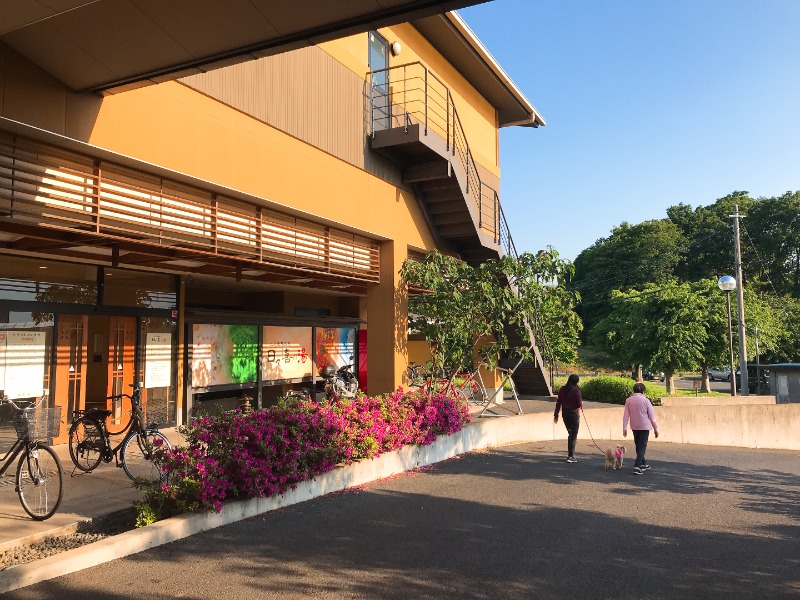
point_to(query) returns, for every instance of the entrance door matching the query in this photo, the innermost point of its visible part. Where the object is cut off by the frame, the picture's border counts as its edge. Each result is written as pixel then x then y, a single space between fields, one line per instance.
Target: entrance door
pixel 379 86
pixel 121 364
pixel 70 371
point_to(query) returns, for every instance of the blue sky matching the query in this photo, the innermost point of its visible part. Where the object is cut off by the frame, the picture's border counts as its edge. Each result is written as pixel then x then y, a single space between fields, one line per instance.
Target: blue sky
pixel 647 104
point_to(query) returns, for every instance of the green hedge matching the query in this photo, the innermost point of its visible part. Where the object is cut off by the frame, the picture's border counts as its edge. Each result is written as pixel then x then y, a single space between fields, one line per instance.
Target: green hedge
pixel 614 390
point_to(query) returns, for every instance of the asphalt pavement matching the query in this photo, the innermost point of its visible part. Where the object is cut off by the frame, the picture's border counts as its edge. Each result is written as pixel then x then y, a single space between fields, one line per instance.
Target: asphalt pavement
pixel 514 522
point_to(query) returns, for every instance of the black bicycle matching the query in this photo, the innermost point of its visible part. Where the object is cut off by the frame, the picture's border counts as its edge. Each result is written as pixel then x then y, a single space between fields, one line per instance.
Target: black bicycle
pixel 39 479
pixel 90 441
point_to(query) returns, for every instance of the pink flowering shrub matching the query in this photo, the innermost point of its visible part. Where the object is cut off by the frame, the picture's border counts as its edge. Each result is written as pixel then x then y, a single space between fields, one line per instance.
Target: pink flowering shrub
pixel 238 455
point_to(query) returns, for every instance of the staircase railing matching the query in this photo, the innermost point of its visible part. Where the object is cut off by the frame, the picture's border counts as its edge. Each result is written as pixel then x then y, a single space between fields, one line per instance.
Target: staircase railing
pixel 408 94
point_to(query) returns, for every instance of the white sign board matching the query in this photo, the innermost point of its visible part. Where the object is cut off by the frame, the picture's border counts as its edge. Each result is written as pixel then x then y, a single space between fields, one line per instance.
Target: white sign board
pixel 25 357
pixel 158 360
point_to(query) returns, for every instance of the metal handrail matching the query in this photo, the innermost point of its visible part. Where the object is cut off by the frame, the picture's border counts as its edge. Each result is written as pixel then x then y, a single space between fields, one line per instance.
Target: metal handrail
pixel 451 127
pixel 452 130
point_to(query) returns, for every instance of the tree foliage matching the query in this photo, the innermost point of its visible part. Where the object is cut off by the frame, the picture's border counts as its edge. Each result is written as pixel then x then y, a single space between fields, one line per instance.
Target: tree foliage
pixel 465 311
pixel 695 246
pixel 631 256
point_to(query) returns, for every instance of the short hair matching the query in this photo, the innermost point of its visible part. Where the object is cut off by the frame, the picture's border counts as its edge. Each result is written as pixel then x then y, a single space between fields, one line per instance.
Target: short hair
pixel 638 388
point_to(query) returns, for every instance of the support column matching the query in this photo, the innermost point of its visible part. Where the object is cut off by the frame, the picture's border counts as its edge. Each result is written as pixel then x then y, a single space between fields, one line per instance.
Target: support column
pixel 387 323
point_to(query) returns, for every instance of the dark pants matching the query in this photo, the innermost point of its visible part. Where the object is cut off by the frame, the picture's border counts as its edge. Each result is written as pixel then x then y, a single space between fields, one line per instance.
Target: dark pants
pixel 640 437
pixel 572 421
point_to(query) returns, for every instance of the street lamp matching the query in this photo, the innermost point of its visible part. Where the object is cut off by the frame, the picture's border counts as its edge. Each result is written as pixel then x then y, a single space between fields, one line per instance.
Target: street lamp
pixel 727 284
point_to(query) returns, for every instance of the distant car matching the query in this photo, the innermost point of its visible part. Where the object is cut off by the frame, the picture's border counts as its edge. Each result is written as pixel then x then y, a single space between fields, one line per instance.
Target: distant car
pixel 719 374
pixel 649 375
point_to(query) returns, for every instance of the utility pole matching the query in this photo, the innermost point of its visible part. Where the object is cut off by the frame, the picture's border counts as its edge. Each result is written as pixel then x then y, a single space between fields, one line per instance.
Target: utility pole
pixel 740 301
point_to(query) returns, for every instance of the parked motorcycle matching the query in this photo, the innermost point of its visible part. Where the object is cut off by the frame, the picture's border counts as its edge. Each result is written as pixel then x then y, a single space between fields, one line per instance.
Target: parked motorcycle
pixel 340 383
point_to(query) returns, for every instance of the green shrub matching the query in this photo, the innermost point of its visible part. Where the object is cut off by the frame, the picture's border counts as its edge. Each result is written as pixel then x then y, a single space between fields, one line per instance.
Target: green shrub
pixel 613 390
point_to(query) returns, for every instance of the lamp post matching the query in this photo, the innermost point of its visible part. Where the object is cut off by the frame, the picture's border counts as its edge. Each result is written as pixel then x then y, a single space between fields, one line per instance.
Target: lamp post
pixel 727 284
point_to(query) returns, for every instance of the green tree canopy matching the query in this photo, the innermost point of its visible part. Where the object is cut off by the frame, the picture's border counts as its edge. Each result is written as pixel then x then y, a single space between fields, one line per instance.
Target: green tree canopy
pixel 632 256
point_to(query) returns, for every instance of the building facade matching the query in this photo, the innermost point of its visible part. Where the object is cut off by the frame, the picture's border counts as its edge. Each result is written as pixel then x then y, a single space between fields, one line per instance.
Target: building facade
pixel 224 234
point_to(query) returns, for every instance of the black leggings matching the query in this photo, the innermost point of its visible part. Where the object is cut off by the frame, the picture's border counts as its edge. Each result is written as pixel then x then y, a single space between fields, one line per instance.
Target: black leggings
pixel 572 421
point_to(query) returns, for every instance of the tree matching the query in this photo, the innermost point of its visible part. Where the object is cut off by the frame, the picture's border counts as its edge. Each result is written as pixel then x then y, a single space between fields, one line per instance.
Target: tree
pixel 661 326
pixel 464 310
pixel 708 235
pixel 773 227
pixel 631 256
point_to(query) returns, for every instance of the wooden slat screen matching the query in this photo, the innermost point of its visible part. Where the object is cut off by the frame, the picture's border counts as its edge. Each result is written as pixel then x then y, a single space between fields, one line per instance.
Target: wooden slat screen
pixel 49 187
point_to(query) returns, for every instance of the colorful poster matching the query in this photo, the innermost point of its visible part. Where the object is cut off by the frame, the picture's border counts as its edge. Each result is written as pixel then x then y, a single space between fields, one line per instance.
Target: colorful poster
pixel 158 360
pixel 224 354
pixel 335 346
pixel 2 362
pixel 25 358
pixel 286 353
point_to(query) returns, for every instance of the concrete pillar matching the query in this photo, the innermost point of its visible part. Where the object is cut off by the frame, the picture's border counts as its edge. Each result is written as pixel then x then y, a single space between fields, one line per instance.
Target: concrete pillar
pixel 387 323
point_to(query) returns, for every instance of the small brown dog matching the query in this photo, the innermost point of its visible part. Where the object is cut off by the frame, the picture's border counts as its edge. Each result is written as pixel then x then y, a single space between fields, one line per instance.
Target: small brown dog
pixel 614 457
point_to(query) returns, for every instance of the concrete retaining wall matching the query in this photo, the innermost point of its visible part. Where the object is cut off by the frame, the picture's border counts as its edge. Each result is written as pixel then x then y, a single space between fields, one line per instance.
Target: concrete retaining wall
pixel 715 400
pixel 746 425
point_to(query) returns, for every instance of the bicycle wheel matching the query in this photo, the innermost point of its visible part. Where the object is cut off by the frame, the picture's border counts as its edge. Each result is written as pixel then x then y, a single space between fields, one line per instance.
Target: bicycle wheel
pixel 475 392
pixel 39 482
pixel 138 457
pixel 86 443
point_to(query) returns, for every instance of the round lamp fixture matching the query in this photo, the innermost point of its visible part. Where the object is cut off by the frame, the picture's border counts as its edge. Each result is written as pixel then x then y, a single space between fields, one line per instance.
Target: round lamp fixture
pixel 396 48
pixel 726 283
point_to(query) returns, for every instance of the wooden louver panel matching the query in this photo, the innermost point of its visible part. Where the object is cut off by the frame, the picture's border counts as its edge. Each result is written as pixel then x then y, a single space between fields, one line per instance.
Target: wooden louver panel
pixel 48 187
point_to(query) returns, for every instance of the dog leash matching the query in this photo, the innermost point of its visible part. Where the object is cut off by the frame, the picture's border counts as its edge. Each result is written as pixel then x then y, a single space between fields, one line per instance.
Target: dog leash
pixel 590 432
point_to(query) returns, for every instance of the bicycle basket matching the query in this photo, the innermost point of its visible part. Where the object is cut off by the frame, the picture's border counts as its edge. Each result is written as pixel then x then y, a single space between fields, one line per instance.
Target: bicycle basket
pixel 38 424
pixel 155 414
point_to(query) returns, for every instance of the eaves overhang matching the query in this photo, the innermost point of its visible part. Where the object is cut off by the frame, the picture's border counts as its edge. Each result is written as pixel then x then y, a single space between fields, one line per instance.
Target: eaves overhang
pixel 459 45
pixel 110 46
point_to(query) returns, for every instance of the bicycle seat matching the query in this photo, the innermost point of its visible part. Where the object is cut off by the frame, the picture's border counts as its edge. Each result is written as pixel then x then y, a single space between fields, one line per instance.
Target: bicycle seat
pixel 98 413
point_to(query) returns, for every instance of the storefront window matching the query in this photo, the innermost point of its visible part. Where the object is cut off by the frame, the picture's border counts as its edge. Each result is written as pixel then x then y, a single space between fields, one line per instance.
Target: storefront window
pixel 335 346
pixel 159 369
pixel 224 354
pixel 137 288
pixel 34 280
pixel 25 348
pixel 286 353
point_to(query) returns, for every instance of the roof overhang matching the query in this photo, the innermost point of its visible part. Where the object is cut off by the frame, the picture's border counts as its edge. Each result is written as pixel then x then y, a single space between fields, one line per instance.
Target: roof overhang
pixel 451 36
pixel 114 45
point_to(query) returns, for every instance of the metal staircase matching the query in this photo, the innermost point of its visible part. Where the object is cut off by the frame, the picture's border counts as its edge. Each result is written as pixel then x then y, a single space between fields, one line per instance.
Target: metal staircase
pixel 413 121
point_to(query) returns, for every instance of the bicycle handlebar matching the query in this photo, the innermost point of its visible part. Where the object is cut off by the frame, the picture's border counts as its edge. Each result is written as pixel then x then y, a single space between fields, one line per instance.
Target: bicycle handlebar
pixel 7 400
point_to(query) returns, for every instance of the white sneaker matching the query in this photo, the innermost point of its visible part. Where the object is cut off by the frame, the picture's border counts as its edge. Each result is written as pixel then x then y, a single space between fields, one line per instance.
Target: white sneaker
pixel 637 471
pixel 572 459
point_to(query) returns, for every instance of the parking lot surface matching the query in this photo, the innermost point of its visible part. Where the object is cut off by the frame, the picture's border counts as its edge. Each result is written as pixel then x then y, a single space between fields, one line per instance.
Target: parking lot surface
pixel 514 522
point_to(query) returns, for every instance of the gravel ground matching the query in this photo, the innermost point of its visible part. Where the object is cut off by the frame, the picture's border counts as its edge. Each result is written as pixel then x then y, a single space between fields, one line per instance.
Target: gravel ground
pixel 87 533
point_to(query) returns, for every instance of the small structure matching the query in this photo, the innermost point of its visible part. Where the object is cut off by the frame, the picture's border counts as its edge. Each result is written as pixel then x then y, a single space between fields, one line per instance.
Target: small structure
pixel 785 380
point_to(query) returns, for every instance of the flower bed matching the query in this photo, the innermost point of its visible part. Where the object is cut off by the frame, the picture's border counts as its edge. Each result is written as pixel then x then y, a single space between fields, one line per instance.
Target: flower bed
pixel 238 455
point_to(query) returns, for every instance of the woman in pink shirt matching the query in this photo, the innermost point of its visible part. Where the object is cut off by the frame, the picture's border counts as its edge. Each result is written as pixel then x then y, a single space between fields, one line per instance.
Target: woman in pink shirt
pixel 639 411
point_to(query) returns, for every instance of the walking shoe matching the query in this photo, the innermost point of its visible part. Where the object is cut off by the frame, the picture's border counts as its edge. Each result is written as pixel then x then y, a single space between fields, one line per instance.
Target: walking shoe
pixel 637 471
pixel 644 467
pixel 572 459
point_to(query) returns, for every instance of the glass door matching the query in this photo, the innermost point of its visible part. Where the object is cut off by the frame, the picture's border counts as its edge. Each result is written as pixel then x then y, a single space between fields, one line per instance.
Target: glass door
pixel 121 365
pixel 379 84
pixel 70 373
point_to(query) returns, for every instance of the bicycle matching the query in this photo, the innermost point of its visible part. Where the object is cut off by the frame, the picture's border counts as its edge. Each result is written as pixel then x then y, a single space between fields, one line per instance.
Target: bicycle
pixel 39 481
pixel 90 441
pixel 416 375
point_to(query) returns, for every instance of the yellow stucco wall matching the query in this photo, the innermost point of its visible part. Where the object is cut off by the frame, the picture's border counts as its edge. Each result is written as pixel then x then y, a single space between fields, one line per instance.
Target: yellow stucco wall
pixel 478 116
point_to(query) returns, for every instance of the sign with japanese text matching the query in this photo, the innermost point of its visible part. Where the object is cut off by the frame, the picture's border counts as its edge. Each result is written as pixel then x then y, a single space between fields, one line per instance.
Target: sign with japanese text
pixel 286 353
pixel 158 360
